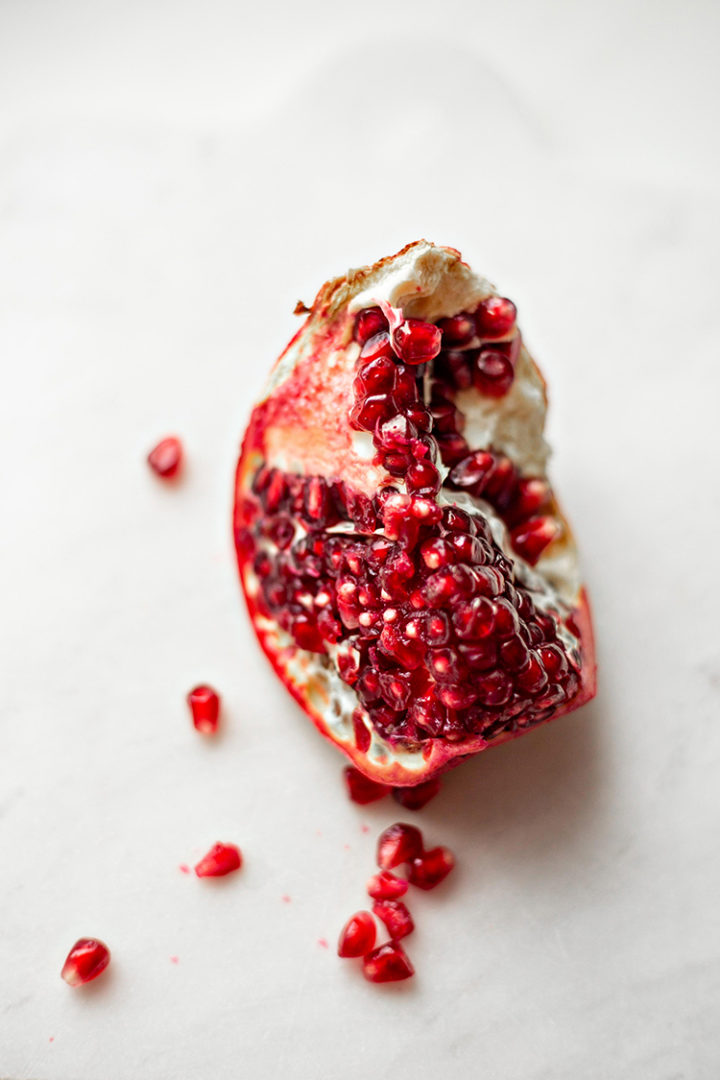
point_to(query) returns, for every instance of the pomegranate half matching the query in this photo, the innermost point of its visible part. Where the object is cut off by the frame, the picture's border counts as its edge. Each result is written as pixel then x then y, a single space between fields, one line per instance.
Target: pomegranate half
pixel 406 565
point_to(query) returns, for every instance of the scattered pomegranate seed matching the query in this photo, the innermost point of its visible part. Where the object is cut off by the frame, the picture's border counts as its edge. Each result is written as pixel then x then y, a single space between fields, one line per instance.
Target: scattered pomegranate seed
pixel 416 341
pixel 166 457
pixel 495 317
pixel 430 868
pixel 414 798
pixel 87 959
pixel 361 789
pixel 396 917
pixel 204 705
pixel 357 937
pixel 400 843
pixel 220 860
pixel 389 963
pixel 385 886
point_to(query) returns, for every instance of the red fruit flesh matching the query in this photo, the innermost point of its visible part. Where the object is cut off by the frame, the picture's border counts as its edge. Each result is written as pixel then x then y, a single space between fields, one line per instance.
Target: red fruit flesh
pixel 87 959
pixel 361 789
pixel 385 886
pixel 397 918
pixel 431 867
pixel 400 843
pixel 394 600
pixel 204 705
pixel 357 936
pixel 389 963
pixel 220 860
pixel 165 458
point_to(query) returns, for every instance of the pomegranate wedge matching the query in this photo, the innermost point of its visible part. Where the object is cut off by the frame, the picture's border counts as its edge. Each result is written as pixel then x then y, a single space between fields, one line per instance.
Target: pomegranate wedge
pixel 406 564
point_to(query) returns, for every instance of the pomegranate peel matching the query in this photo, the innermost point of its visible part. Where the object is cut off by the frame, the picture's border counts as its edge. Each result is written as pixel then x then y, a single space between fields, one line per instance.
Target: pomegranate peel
pixel 382 483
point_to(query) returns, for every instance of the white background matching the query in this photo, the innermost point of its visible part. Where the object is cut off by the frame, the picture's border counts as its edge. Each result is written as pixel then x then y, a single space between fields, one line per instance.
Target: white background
pixel 173 177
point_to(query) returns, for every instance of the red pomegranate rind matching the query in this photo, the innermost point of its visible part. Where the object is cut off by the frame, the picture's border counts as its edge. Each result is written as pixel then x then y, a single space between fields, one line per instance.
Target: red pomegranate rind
pixel 388 963
pixel 311 510
pixel 415 798
pixel 204 705
pixel 429 869
pixel 87 959
pixel 357 936
pixel 386 886
pixel 361 789
pixel 398 920
pixel 398 844
pixel 165 459
pixel 220 860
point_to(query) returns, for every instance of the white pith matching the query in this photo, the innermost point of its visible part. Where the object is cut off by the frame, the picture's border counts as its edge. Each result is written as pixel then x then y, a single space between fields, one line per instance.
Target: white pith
pixel 431 283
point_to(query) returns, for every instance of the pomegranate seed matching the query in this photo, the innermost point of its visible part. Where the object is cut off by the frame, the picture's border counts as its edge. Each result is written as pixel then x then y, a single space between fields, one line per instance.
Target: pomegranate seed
pixel 368 322
pixel 363 736
pixel 532 679
pixel 204 705
pixel 399 843
pixel 553 661
pixel 87 959
pixel 493 374
pixel 165 458
pixel 357 936
pixel 458 329
pixel 532 537
pixel 532 494
pixel 375 376
pixel 389 963
pixel 453 448
pixel 472 472
pixel 220 860
pixel 377 345
pixel 414 798
pixel 365 413
pixel 416 341
pixel 495 688
pixel 385 886
pixel 423 478
pixel 396 917
pixel 430 868
pixel 361 789
pixel 495 317
pixel 454 369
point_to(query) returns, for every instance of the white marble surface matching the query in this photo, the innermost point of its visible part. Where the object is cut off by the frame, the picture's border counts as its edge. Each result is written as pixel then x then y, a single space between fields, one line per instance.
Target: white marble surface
pixel 172 178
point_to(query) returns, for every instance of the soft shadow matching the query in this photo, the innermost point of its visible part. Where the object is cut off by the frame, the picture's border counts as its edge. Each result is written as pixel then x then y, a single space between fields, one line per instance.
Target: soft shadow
pixel 536 797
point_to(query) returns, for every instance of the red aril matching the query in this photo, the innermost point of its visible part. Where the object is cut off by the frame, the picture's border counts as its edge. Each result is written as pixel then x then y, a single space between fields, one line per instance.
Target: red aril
pixel 398 920
pixel 414 798
pixel 87 959
pixel 357 936
pixel 389 963
pixel 431 867
pixel 220 860
pixel 395 599
pixel 400 843
pixel 361 789
pixel 386 886
pixel 165 458
pixel 204 705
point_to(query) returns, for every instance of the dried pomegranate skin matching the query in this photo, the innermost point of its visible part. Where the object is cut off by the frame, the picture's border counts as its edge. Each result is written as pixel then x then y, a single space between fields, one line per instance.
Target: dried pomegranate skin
pixel 405 628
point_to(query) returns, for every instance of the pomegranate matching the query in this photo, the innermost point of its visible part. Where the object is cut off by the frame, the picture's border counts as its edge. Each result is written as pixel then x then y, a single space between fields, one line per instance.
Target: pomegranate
pixel 388 963
pixel 87 959
pixel 357 936
pixel 204 705
pixel 406 564
pixel 220 860
pixel 165 459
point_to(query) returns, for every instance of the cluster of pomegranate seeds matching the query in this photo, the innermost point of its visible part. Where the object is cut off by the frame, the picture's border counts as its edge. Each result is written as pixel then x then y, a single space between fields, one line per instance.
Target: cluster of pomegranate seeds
pixel 362 790
pixel 87 959
pixel 220 860
pixel 423 614
pixel 398 845
pixel 165 458
pixel 204 705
